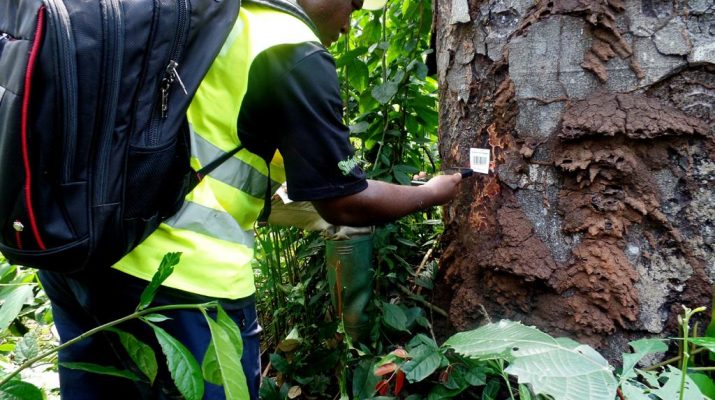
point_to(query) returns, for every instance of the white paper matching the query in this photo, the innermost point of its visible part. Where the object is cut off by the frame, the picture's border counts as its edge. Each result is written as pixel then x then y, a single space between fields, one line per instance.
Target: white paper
pixel 479 160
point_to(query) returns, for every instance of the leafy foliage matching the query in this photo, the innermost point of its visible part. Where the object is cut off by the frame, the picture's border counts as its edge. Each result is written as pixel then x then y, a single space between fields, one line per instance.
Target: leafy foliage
pixel 142 354
pixel 562 369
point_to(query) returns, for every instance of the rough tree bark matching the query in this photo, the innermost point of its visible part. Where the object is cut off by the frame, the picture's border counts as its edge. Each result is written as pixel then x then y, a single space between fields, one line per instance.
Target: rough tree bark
pixel 598 221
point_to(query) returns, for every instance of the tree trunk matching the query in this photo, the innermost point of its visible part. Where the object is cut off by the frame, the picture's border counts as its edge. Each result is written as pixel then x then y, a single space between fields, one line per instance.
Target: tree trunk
pixel 597 221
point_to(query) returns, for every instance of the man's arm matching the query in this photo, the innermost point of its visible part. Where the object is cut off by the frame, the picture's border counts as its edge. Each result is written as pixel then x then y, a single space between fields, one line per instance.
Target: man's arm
pixel 384 202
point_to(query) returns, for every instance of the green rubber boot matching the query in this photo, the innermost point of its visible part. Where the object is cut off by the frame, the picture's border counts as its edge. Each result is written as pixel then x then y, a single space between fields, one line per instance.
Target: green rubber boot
pixel 350 276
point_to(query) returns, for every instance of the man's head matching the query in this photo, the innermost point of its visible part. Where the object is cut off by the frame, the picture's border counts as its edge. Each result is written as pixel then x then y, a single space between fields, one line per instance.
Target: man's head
pixel 332 17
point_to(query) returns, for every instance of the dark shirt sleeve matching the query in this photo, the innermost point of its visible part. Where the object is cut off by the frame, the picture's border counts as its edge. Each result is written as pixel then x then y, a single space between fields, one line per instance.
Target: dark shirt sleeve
pixel 293 104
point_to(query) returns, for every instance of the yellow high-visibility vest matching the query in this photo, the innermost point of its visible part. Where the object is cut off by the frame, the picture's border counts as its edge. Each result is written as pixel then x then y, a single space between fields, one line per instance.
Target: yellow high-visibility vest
pixel 214 228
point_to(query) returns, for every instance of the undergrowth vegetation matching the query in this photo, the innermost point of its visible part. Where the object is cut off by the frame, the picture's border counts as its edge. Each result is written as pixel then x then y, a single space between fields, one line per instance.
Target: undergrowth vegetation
pixel 391 108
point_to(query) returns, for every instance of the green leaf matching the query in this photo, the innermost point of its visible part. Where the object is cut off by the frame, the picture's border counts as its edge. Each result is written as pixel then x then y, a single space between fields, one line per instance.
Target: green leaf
pixel 641 348
pixel 560 369
pixel 524 392
pixel 156 318
pixel 233 331
pixel 360 127
pixel 101 369
pixel 364 380
pixel 225 363
pixel 210 367
pixel 385 92
pixel 394 317
pixel 671 389
pixel 634 390
pixel 425 361
pixel 13 305
pixel 19 390
pixel 491 390
pixel 141 353
pixel 706 342
pixel 705 384
pixel 185 370
pixel 27 348
pixel 279 363
pixel 166 268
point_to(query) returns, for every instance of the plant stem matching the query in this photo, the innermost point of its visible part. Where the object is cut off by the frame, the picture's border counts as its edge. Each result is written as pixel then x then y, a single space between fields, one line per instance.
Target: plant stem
pixel 672 360
pixel 702 369
pixel 385 107
pixel 424 302
pixel 100 328
pixel 506 379
pixel 686 351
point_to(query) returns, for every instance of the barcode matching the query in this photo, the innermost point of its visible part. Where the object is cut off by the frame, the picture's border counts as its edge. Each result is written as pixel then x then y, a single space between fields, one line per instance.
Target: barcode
pixel 479 160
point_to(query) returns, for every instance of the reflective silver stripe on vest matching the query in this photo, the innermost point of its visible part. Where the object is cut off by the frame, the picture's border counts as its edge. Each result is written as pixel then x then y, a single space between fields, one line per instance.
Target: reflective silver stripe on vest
pixel 210 222
pixel 233 171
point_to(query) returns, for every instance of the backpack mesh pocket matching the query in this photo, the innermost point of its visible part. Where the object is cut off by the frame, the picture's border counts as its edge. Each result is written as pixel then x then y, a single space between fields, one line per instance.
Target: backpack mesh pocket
pixel 151 180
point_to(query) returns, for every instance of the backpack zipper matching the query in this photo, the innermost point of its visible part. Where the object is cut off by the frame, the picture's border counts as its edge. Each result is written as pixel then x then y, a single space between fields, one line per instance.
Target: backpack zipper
pixel 112 65
pixel 171 75
pixel 68 85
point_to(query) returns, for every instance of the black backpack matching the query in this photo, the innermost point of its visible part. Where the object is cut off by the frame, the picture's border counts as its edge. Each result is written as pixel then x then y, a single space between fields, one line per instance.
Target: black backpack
pixel 94 149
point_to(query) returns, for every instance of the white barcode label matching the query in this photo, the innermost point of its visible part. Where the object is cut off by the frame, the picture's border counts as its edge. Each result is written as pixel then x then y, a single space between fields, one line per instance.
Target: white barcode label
pixel 479 160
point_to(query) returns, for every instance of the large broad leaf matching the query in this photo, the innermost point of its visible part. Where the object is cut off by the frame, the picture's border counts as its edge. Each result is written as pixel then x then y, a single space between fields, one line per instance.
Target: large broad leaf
pixel 385 92
pixel 222 363
pixel 641 348
pixel 364 380
pixel 141 353
pixel 425 356
pixel 706 342
pixel 705 384
pixel 101 369
pixel 13 305
pixel 560 368
pixel 19 390
pixel 185 370
pixel 394 317
pixel 671 389
pixel 27 348
pixel 166 268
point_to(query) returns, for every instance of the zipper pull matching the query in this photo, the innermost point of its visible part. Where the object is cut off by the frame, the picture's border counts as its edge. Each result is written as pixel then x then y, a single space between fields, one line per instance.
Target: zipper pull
pixel 174 75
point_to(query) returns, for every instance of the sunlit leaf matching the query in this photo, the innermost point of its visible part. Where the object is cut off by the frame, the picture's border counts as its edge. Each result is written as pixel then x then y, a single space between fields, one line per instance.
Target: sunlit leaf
pixel 554 367
pixel 19 390
pixel 705 384
pixel 27 348
pixel 706 342
pixel 227 367
pixel 166 268
pixel 385 92
pixel 641 348
pixel 13 304
pixel 671 388
pixel 156 318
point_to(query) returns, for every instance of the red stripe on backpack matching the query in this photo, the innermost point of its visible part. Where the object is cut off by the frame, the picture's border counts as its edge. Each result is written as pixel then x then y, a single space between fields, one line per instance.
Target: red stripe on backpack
pixel 39 33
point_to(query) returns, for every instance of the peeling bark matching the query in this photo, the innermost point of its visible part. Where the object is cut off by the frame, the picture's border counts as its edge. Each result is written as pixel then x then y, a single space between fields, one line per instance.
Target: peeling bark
pixel 598 220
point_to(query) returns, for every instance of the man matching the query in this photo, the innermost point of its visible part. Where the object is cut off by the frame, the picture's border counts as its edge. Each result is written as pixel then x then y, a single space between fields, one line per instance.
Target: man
pixel 275 87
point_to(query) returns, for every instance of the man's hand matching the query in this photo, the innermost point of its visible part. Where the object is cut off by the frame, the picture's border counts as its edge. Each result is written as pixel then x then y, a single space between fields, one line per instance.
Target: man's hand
pixel 444 187
pixel 384 202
